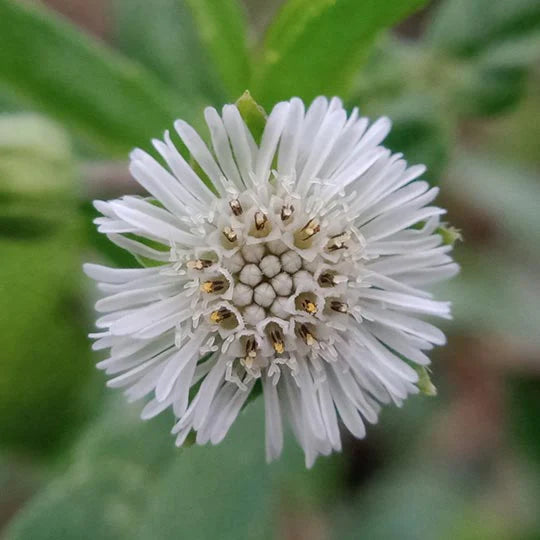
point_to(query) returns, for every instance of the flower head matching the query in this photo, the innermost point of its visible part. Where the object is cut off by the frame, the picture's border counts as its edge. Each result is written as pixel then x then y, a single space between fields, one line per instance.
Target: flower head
pixel 300 272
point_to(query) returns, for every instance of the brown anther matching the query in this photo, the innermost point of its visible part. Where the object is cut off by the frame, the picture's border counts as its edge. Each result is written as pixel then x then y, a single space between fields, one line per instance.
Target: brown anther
pixel 199 264
pixel 213 286
pixel 287 211
pixel 306 335
pixel 260 220
pixel 236 207
pixel 251 351
pixel 338 306
pixel 220 315
pixel 310 229
pixel 338 242
pixel 326 279
pixel 230 235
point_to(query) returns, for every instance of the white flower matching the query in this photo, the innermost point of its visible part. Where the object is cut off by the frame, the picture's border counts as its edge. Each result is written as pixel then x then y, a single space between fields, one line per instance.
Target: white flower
pixel 302 274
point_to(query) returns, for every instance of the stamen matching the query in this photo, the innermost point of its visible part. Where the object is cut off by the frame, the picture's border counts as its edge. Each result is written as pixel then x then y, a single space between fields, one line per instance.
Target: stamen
pixel 309 307
pixel 326 279
pixel 214 286
pixel 340 307
pixel 251 347
pixel 260 220
pixel 310 229
pixel 304 236
pixel 251 352
pixel 199 264
pixel 236 207
pixel 276 337
pixel 307 302
pixel 278 346
pixel 230 235
pixel 220 315
pixel 338 241
pixel 306 335
pixel 261 225
pixel 287 210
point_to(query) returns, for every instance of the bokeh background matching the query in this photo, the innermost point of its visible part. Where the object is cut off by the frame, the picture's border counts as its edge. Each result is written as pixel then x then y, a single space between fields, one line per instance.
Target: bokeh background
pixel 83 82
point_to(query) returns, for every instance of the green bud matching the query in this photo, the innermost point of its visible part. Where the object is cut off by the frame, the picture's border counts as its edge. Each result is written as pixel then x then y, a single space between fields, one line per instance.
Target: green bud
pixel 424 383
pixel 450 235
pixel 253 114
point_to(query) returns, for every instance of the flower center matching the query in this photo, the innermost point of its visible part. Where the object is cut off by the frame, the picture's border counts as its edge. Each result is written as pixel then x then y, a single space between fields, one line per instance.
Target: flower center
pixel 274 282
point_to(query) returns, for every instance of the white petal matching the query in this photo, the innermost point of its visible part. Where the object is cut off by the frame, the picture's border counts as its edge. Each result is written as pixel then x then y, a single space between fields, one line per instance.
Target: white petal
pixel 274 429
pixel 269 141
pixel 200 153
pixel 221 145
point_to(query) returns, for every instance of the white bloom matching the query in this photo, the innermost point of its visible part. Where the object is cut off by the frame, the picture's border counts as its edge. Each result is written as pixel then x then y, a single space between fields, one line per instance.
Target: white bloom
pixel 303 274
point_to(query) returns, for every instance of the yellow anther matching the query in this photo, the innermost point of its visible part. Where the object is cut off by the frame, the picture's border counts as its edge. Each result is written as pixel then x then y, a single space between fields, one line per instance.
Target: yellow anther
pixel 251 347
pixel 310 307
pixel 276 337
pixel 214 286
pixel 306 335
pixel 207 287
pixel 220 315
pixel 309 339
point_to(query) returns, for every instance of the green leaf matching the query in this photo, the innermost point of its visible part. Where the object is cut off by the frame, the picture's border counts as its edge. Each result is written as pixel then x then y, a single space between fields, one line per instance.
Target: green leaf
pixel 495 294
pixel 229 494
pixel 486 88
pixel 104 490
pixel 497 289
pixel 497 44
pixel 464 27
pixel 253 114
pixel 222 28
pixel 418 131
pixel 316 47
pixel 524 414
pixel 127 480
pixel 35 157
pixel 81 82
pixel 46 362
pixel 409 502
pixel 516 52
pixel 506 192
pixel 162 36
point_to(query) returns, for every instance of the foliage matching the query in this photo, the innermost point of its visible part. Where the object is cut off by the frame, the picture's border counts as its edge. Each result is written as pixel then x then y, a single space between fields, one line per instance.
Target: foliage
pixel 46 360
pixel 169 58
pixel 80 81
pixel 127 480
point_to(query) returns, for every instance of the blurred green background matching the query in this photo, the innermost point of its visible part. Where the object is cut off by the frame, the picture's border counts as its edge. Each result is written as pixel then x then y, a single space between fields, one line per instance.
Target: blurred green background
pixel 83 82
